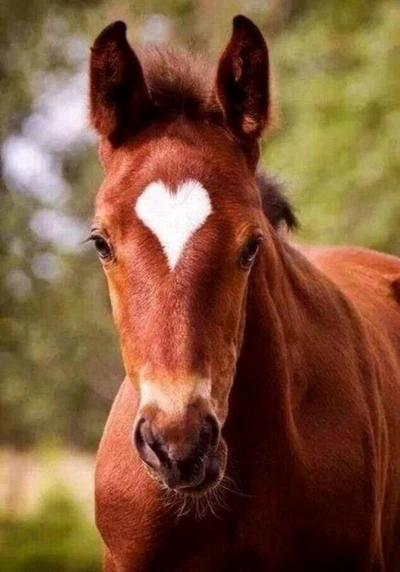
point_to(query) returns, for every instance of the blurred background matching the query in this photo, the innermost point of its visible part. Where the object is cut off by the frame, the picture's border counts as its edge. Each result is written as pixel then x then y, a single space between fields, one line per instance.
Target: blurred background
pixel 336 68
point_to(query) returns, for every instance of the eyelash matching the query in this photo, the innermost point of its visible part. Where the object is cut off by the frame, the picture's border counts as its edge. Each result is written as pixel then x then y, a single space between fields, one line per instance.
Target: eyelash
pixel 102 246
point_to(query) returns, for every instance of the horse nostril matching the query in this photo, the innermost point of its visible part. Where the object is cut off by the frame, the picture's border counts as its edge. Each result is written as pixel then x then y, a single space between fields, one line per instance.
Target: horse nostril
pixel 140 441
pixel 210 433
pixel 150 448
pixel 137 434
pixel 182 461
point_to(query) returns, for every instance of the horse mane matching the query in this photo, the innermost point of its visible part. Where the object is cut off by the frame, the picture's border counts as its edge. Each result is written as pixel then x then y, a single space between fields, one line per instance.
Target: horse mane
pixel 179 82
pixel 182 83
pixel 276 206
pixel 396 289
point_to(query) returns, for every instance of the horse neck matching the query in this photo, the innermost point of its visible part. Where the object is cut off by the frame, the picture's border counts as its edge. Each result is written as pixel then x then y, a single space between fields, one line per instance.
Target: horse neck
pixel 296 319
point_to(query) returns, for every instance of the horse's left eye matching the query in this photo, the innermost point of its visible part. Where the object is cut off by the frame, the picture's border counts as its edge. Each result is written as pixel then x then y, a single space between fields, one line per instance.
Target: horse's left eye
pixel 249 252
pixel 102 246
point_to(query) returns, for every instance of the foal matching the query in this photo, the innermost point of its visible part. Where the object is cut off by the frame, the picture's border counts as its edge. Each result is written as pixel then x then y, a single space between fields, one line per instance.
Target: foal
pixel 258 424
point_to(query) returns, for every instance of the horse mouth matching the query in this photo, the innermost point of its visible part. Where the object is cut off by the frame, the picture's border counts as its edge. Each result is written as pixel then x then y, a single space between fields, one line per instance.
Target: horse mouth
pixel 212 474
pixel 212 477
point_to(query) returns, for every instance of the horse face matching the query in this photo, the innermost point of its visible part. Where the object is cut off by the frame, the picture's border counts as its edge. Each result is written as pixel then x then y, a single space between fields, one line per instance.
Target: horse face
pixel 178 224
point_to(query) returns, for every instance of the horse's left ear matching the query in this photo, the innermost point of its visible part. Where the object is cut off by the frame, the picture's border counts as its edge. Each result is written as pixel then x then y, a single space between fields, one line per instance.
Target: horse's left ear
pixel 242 84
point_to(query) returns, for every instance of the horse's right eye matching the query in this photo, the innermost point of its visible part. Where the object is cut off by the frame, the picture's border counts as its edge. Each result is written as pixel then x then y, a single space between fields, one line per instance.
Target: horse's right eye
pixel 102 247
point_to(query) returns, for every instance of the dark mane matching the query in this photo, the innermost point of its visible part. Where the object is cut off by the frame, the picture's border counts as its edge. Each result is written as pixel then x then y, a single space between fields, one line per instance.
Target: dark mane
pixel 396 289
pixel 275 204
pixel 181 83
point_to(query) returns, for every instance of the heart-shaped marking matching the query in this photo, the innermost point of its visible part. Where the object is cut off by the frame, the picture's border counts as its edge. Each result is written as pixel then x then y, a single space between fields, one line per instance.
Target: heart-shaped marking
pixel 174 216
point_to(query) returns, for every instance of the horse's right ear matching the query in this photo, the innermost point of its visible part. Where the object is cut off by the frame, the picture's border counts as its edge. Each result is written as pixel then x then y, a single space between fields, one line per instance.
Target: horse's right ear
pixel 119 98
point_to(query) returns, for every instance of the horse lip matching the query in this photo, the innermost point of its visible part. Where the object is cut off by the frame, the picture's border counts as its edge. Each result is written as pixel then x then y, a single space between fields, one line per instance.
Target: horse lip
pixel 209 482
pixel 213 473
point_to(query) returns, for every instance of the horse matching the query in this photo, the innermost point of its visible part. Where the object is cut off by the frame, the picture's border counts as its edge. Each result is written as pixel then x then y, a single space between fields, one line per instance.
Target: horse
pixel 257 427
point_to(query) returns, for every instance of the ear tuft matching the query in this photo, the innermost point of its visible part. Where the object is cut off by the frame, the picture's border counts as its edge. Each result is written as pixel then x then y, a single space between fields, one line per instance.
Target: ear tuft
pixel 119 98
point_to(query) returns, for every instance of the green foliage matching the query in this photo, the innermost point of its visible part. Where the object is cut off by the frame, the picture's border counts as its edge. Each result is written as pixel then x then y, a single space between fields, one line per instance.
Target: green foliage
pixel 339 146
pixel 56 537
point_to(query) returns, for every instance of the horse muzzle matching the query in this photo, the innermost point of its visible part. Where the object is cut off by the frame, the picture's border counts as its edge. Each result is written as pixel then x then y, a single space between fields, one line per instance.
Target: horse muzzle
pixel 188 461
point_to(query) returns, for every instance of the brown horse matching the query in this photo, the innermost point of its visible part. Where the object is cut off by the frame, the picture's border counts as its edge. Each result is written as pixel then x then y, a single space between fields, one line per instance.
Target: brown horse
pixel 258 424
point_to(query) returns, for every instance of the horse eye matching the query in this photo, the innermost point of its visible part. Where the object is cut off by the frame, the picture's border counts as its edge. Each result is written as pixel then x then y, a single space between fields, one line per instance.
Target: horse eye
pixel 249 252
pixel 102 246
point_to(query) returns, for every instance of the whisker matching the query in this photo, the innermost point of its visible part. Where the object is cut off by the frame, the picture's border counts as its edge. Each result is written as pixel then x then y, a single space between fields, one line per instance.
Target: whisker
pixel 213 502
pixel 231 486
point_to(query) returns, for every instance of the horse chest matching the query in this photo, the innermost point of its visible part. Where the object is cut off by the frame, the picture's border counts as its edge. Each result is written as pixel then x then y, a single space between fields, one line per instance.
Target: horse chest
pixel 222 551
pixel 270 530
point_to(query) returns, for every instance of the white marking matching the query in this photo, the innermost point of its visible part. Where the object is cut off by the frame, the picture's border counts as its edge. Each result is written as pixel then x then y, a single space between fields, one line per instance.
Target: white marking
pixel 173 397
pixel 174 217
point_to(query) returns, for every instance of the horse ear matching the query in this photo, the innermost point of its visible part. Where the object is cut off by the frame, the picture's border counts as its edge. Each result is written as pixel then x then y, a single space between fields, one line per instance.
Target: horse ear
pixel 119 98
pixel 242 84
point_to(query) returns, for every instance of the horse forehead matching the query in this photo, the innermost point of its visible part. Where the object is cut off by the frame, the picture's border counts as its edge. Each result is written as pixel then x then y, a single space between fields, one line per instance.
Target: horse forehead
pixel 173 213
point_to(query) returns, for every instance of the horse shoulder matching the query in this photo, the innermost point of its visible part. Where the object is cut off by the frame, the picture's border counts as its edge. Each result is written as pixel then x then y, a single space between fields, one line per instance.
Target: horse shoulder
pixel 371 281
